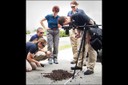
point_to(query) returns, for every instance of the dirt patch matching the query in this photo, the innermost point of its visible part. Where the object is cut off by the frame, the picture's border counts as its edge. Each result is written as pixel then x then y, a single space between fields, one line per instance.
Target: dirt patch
pixel 58 75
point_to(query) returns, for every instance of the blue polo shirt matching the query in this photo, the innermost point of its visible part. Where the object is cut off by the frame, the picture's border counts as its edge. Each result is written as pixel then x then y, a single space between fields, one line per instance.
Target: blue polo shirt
pixel 31 47
pixel 35 36
pixel 80 19
pixel 70 13
pixel 52 21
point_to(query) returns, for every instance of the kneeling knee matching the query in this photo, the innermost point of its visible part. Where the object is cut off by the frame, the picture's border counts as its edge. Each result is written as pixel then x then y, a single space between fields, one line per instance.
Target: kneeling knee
pixel 48 53
pixel 29 69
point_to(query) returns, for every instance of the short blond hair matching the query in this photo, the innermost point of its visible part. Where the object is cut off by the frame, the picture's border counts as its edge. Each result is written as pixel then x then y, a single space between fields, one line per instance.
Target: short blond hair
pixel 42 40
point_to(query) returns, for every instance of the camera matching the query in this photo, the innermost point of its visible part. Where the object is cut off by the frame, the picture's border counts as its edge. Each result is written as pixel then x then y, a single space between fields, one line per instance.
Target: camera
pixel 71 25
pixel 67 28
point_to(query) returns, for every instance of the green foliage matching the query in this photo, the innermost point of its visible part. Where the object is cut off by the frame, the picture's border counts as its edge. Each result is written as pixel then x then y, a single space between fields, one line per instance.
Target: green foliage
pixel 64 47
pixel 63 34
pixel 44 33
pixel 28 32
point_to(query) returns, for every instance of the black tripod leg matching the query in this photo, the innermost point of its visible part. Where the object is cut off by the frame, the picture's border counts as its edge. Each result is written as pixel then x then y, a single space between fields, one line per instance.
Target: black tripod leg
pixel 81 46
pixel 83 50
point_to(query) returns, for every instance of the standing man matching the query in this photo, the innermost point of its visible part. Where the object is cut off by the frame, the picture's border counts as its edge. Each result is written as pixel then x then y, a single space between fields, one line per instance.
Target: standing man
pixel 75 41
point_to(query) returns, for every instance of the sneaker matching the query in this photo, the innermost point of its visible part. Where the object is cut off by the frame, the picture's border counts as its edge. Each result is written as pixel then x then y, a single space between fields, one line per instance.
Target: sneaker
pixel 88 72
pixel 50 60
pixel 76 68
pixel 55 60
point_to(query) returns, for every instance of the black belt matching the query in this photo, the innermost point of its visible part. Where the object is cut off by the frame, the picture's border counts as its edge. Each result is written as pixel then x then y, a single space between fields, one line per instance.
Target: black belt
pixel 54 28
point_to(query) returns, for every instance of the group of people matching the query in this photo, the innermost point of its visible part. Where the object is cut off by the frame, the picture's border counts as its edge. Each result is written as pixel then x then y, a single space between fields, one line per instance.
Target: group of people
pixel 35 48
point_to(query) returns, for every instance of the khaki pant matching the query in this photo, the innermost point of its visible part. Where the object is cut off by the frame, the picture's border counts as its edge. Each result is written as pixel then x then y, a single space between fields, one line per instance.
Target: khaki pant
pixel 92 54
pixel 38 56
pixel 75 45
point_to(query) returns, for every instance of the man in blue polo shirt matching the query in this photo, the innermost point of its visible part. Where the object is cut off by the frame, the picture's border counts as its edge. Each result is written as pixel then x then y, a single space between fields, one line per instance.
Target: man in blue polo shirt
pixel 80 19
pixel 36 53
pixel 39 34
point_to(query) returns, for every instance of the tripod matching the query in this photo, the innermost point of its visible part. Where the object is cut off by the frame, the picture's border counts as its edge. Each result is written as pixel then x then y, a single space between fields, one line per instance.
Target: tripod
pixel 82 44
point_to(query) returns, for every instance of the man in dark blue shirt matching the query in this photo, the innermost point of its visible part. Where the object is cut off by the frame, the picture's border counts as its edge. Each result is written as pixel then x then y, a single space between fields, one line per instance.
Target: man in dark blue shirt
pixel 75 41
pixel 38 35
pixel 35 53
pixel 79 19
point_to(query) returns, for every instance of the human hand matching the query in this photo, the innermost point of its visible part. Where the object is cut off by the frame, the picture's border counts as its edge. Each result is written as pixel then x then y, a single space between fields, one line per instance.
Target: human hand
pixel 77 35
pixel 38 64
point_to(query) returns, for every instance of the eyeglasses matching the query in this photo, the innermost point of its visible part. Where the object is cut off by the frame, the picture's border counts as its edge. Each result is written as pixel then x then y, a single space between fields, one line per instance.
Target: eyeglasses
pixel 41 32
pixel 72 6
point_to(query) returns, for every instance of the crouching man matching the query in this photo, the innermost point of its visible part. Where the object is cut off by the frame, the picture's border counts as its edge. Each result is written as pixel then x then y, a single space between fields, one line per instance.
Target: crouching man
pixel 35 52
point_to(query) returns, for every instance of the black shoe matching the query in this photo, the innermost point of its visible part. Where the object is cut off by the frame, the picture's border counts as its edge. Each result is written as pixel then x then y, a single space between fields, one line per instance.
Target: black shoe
pixel 88 72
pixel 76 68
pixel 42 65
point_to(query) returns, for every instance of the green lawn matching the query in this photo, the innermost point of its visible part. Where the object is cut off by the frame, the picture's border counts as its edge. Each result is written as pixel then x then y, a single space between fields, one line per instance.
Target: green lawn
pixel 64 47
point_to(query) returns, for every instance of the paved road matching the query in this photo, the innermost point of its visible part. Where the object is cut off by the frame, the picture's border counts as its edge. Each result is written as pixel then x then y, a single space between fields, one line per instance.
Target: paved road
pixel 64 58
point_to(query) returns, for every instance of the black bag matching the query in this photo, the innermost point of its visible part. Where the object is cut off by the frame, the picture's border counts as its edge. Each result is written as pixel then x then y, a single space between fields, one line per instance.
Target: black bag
pixel 96 44
pixel 96 37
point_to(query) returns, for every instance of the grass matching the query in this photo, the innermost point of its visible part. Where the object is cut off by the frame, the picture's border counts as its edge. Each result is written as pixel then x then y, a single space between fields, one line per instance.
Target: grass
pixel 64 47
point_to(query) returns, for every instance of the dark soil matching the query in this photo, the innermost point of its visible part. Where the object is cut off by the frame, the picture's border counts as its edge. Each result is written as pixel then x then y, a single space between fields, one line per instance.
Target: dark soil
pixel 58 75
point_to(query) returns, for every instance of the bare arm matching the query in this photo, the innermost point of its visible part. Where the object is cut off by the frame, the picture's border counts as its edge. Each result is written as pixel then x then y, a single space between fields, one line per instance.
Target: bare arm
pixel 42 24
pixel 48 53
pixel 30 57
pixel 43 50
